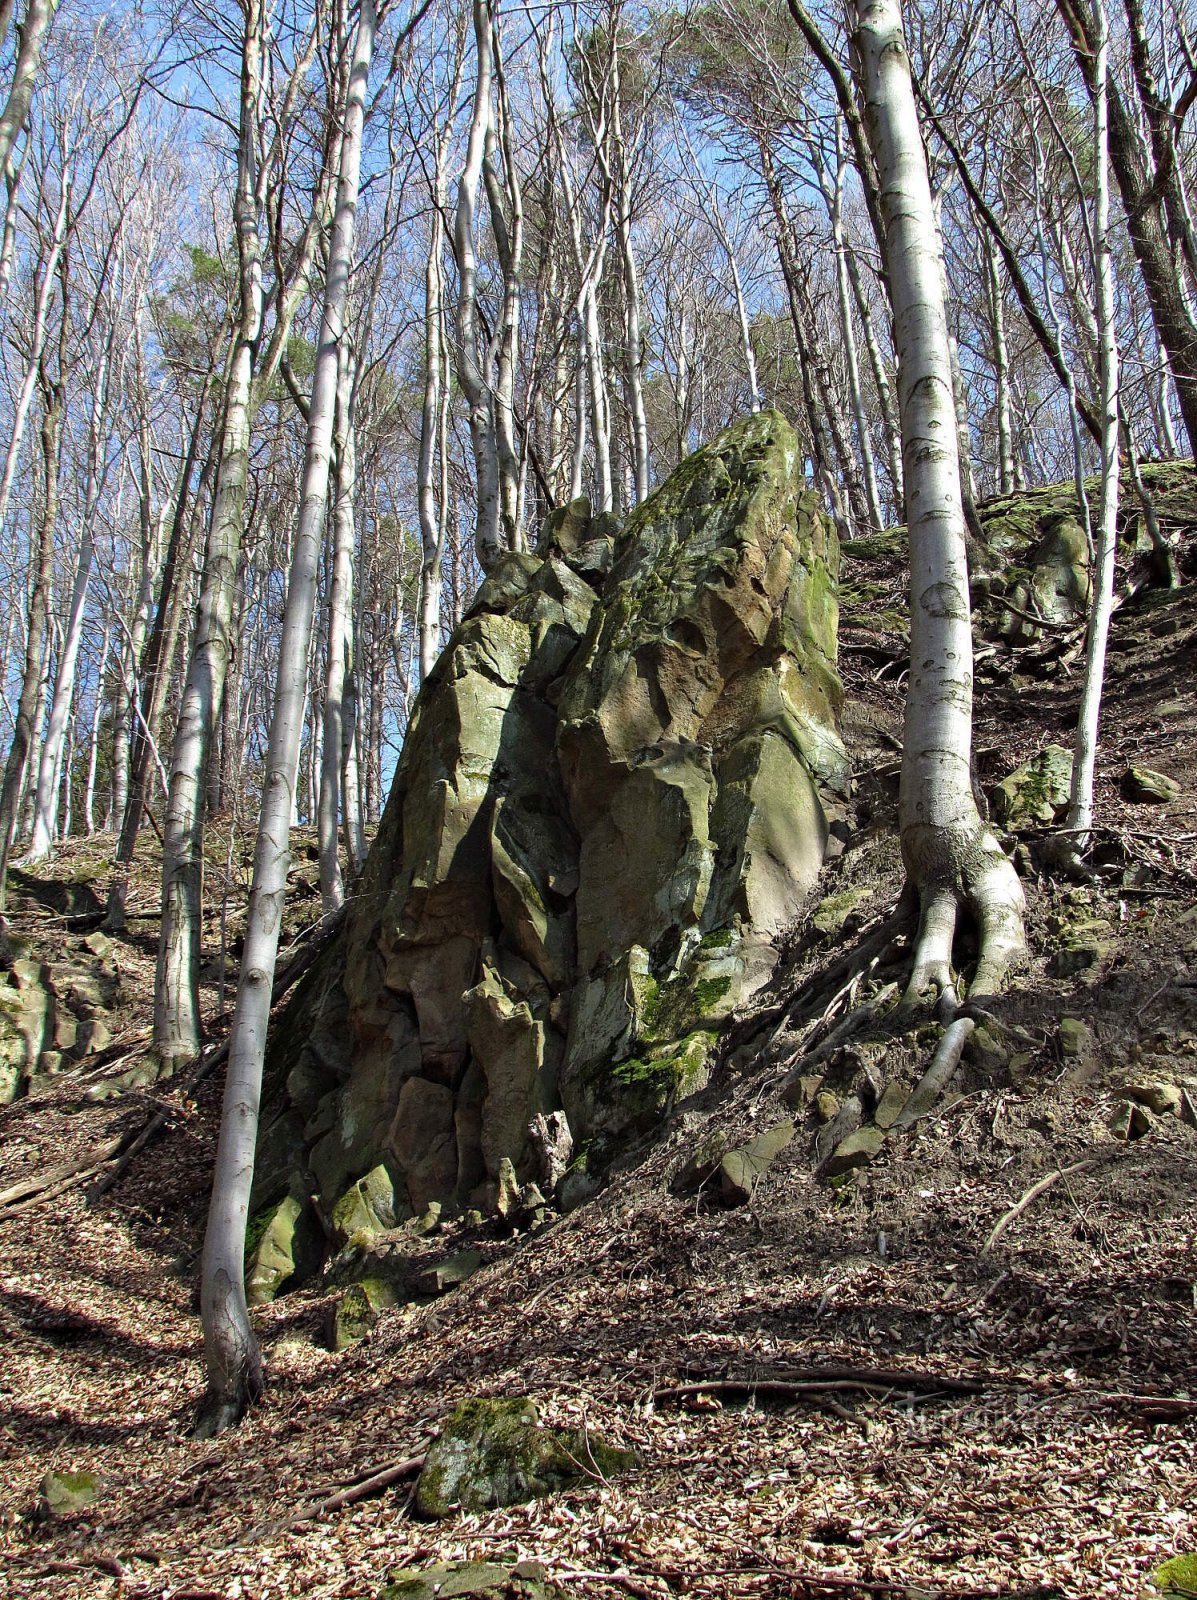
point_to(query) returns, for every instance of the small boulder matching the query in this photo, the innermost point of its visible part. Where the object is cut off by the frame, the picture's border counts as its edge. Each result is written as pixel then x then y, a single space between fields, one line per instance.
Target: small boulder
pixel 447 1274
pixel 1143 786
pixel 357 1310
pixel 1177 1577
pixel 481 1580
pixel 1035 792
pixel 65 1493
pixel 891 1104
pixel 857 1150
pixel 741 1170
pixel 702 1163
pixel 1076 1038
pixel 368 1207
pixel 1164 1099
pixel 492 1452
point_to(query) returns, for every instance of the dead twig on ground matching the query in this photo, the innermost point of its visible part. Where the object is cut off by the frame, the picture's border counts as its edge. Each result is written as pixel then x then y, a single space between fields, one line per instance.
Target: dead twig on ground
pixel 359 1488
pixel 821 1381
pixel 1032 1195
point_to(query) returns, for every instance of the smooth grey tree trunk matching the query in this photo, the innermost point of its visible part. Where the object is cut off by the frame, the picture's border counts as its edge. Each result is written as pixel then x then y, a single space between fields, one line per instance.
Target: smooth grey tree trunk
pixel 232 1356
pixel 27 721
pixel 951 857
pixel 49 774
pixel 176 989
pixel 32 31
pixel 340 638
pixel 1079 820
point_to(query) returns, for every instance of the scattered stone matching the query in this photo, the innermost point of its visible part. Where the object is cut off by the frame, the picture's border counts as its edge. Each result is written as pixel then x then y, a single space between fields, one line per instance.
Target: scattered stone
pixel 1164 1099
pixel 890 1106
pixel 447 1274
pixel 1079 954
pixel 480 1580
pixel 830 915
pixel 99 944
pixel 492 1452
pixel 65 1493
pixel 1144 786
pixel 827 1105
pixel 984 1050
pixel 429 1220
pixel 701 1165
pixel 741 1170
pixel 1131 1121
pixel 94 1035
pixel 1076 1038
pixel 368 1207
pixel 800 1089
pixel 1035 792
pixel 358 1309
pixel 507 1202
pixel 857 1150
pixel 286 1245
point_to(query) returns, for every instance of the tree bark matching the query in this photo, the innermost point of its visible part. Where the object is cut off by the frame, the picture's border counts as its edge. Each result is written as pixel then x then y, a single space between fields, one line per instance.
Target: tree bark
pixel 951 858
pixel 1101 600
pixel 231 1352
pixel 176 989
pixel 35 634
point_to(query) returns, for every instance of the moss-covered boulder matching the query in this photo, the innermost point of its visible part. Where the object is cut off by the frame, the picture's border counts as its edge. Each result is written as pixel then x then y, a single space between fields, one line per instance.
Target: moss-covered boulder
pixel 1176 1579
pixel 355 1311
pixel 1035 793
pixel 283 1244
pixel 65 1494
pixel 609 807
pixel 493 1452
pixel 480 1580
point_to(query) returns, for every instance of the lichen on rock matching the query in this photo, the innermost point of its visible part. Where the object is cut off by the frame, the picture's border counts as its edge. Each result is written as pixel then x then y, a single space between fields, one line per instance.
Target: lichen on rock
pixel 609 806
pixel 493 1452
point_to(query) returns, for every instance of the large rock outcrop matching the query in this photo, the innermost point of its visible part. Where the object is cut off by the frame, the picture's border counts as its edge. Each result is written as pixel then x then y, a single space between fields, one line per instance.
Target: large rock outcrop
pixel 612 799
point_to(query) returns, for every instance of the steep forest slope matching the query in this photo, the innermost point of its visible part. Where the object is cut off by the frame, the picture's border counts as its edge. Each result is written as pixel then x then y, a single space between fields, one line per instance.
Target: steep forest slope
pixel 951 1357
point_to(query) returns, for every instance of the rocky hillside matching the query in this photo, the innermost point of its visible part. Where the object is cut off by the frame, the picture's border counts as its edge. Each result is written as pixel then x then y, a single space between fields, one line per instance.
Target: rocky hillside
pixel 625 1245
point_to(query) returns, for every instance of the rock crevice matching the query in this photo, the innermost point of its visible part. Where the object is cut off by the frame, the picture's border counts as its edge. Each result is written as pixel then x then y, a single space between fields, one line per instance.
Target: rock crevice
pixel 613 797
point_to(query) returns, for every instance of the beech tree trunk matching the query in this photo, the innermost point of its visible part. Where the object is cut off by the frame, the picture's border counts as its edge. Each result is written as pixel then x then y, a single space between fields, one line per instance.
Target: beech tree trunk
pixel 1101 599
pixel 29 705
pixel 233 1359
pixel 951 857
pixel 176 989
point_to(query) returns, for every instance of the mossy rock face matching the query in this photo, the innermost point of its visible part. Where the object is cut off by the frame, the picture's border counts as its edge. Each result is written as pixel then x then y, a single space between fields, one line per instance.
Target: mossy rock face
pixel 1178 1577
pixel 492 1452
pixel 482 1580
pixel 1035 793
pixel 608 811
pixel 283 1245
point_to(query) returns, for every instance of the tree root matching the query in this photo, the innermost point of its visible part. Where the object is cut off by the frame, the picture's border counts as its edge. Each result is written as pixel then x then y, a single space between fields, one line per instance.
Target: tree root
pixel 989 888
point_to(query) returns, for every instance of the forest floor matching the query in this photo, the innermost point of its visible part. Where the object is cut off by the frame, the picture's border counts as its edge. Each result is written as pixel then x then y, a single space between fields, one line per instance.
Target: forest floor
pixel 1048 1446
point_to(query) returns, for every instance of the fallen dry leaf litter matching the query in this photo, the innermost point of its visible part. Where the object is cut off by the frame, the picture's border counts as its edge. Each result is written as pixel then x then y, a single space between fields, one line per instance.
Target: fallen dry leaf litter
pixel 1071 1470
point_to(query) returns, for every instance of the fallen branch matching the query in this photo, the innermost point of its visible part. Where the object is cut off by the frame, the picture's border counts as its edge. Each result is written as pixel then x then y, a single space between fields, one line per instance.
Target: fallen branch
pixel 864 1380
pixel 356 1489
pixel 68 1169
pixel 1032 1195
